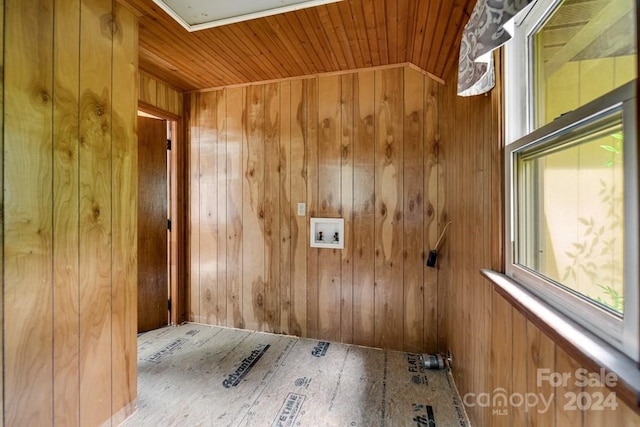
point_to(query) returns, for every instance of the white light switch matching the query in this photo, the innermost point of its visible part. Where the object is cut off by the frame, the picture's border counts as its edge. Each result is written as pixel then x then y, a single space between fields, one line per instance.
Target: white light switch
pixel 302 209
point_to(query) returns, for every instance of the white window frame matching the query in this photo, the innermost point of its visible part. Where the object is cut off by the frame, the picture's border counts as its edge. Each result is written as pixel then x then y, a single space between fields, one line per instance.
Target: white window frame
pixel 623 333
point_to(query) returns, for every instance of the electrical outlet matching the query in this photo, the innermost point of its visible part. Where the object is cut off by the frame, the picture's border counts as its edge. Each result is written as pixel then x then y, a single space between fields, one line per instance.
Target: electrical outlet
pixel 302 209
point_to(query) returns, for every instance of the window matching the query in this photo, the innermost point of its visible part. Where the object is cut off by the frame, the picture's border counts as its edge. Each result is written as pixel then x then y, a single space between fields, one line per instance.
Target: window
pixel 572 177
pixel 581 51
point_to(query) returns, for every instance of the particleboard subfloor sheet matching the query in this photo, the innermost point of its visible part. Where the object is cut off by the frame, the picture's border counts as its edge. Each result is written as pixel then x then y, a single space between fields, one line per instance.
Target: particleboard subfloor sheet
pixel 197 375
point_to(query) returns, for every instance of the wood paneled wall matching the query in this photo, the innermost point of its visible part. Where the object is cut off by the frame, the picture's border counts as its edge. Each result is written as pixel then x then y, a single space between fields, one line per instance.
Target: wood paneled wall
pixel 494 346
pixel 159 94
pixel 362 146
pixel 69 220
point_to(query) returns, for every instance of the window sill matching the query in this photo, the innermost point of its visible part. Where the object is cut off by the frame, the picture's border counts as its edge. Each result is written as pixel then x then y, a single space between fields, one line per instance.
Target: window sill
pixel 587 349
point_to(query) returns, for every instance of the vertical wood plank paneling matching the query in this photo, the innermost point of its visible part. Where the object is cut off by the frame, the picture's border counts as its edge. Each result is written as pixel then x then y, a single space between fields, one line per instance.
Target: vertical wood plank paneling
pixel 444 272
pixel 364 209
pixel 620 415
pixel 481 313
pixel 299 235
pixel 501 354
pixel 234 208
pixel 463 227
pixel 287 213
pixel 208 124
pixel 432 207
pixel 124 191
pixel 463 306
pixel 346 208
pixel 310 129
pixel 253 257
pixel 95 213
pixel 63 252
pixel 194 208
pixel 28 212
pixel 519 365
pixel 567 413
pixel 541 355
pixel 464 158
pixel 148 91
pixel 272 207
pixel 496 153
pixel 221 301
pixel 66 409
pixel 314 141
pixel 2 222
pixel 160 95
pixel 413 199
pixel 389 310
pixel 329 187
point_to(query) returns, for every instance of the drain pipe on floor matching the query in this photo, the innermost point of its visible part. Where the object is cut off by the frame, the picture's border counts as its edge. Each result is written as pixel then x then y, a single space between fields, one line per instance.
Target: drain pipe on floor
pixel 437 360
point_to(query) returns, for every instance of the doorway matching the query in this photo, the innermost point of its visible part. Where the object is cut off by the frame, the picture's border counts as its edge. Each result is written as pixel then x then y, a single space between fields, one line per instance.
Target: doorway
pixel 156 205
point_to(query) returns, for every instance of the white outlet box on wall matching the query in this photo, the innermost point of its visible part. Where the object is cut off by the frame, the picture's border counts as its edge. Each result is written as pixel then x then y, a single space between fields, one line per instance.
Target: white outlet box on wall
pixel 327 233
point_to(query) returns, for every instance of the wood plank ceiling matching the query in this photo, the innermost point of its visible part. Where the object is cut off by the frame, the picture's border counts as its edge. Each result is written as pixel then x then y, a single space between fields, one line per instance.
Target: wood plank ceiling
pixel 347 35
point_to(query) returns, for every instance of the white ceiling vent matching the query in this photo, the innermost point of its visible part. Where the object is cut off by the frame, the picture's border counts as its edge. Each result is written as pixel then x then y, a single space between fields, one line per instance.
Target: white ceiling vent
pixel 197 15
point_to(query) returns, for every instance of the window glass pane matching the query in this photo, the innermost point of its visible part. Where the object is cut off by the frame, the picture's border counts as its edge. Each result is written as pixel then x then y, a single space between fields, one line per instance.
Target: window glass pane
pixel 570 206
pixel 585 49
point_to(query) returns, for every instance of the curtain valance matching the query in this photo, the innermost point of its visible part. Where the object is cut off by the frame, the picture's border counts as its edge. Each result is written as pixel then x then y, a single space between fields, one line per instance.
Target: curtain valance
pixel 483 34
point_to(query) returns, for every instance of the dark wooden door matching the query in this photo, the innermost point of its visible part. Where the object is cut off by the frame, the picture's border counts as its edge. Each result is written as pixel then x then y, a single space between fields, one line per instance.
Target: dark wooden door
pixel 153 292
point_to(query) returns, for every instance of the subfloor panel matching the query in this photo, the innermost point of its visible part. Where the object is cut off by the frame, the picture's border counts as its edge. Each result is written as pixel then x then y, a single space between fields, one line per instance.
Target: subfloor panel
pixel 198 375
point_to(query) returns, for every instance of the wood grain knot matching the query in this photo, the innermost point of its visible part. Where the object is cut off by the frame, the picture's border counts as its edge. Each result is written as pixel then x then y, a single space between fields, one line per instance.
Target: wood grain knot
pixel 109 26
pixel 415 117
pixel 345 152
pixel 251 173
pixel 96 213
pixel 388 149
pixel 436 148
pixel 368 121
pixel 383 209
pixel 326 123
pixel 398 216
pixel 430 210
pixel 44 96
pixel 261 213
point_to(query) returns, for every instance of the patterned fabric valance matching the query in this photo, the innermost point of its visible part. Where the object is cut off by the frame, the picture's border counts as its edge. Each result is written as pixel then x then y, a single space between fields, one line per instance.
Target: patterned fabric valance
pixel 484 33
